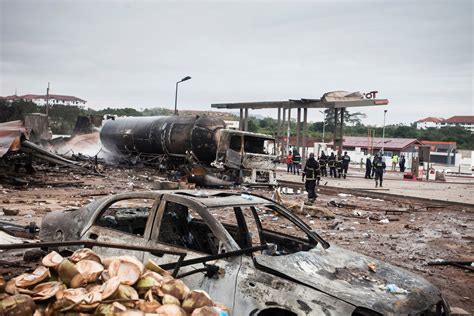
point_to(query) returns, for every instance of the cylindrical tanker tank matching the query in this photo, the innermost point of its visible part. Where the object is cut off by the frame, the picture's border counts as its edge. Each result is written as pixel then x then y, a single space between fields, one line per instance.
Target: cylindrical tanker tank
pixel 170 135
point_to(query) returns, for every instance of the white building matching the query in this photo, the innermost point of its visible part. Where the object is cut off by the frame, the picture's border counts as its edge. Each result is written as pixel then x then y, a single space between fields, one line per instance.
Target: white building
pixel 466 121
pixel 42 99
pixel 429 122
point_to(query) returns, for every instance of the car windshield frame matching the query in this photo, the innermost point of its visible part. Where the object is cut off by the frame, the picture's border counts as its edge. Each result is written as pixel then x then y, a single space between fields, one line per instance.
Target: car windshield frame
pixel 313 237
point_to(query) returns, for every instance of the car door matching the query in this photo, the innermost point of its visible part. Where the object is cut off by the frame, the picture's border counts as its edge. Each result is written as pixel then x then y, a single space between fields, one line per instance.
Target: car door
pixel 124 219
pixel 181 226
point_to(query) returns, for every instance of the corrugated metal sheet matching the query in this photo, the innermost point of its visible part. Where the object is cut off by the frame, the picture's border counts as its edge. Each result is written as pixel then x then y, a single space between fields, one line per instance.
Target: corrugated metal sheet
pixel 10 136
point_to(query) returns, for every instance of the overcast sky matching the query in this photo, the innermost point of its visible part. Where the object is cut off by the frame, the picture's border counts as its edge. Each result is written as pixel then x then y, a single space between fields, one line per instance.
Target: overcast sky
pixel 418 54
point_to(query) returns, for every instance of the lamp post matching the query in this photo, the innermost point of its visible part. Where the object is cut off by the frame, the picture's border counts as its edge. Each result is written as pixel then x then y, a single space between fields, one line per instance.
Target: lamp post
pixel 324 123
pixel 383 131
pixel 176 94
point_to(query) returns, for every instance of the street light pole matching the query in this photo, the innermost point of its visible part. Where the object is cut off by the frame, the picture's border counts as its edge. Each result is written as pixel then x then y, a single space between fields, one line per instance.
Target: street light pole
pixel 383 131
pixel 176 94
pixel 324 123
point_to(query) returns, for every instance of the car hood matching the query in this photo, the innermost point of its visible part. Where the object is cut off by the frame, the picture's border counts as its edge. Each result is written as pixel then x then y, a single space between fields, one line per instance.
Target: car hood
pixel 345 275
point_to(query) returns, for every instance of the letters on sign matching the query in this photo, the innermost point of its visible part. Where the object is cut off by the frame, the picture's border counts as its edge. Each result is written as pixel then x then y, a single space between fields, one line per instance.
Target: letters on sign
pixel 370 95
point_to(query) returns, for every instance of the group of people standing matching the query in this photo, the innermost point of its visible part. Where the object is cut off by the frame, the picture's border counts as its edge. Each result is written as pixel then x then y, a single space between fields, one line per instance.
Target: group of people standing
pixel 338 166
pixel 293 162
pixel 314 169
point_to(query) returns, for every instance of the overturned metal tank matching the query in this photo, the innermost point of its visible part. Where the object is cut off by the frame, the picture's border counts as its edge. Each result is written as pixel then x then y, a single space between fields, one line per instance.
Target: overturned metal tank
pixel 169 135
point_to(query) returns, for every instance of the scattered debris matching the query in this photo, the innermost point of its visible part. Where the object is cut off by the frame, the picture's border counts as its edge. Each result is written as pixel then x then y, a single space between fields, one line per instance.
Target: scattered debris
pixel 392 288
pixel 372 266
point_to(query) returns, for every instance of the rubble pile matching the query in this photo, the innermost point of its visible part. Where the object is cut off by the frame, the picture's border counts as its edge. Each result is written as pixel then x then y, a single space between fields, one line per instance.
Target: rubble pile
pixel 88 284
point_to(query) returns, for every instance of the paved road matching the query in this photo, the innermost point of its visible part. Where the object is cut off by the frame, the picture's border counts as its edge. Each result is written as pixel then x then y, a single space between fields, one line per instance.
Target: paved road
pixel 456 189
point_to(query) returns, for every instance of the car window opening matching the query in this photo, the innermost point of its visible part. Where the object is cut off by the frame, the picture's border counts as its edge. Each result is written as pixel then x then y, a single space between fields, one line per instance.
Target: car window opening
pixel 254 226
pixel 128 216
pixel 184 228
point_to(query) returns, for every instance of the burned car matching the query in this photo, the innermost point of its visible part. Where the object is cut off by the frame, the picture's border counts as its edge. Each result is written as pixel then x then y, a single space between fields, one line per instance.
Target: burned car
pixel 247 252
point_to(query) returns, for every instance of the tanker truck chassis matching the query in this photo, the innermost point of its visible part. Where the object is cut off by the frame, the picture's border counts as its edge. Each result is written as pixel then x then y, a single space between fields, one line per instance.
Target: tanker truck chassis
pixel 177 142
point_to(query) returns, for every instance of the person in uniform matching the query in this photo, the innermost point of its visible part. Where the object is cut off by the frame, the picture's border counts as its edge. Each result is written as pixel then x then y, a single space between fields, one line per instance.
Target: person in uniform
pixel 373 165
pixel 311 172
pixel 323 161
pixel 345 164
pixel 332 165
pixel 401 163
pixel 379 167
pixel 296 162
pixel 339 166
pixel 368 168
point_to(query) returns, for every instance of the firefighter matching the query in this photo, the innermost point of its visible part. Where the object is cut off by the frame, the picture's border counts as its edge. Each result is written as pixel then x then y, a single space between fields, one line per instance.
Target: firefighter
pixel 311 172
pixel 379 167
pixel 323 161
pixel 345 164
pixel 339 166
pixel 332 165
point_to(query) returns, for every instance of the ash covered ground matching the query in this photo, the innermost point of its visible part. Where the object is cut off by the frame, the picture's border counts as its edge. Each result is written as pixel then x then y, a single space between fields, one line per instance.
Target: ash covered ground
pixel 412 237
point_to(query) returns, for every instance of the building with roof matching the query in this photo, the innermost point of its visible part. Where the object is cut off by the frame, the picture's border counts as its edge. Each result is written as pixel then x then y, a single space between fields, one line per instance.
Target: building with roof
pixel 429 122
pixel 373 145
pixel 42 99
pixel 465 121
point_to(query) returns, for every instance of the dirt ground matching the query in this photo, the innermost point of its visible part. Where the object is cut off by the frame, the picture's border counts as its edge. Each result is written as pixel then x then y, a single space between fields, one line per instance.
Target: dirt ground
pixel 412 237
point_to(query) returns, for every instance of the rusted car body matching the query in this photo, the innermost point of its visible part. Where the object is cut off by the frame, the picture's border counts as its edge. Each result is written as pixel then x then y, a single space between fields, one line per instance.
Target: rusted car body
pixel 299 274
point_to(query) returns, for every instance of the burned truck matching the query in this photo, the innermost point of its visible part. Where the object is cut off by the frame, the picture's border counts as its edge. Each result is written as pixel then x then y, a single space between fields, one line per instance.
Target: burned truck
pixel 173 141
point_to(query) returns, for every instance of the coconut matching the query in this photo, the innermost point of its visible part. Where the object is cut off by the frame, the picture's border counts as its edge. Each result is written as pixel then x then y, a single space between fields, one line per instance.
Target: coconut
pixel 207 311
pixel 148 306
pixel 89 269
pixel 46 290
pixel 170 299
pixel 52 259
pixel 107 261
pixel 129 269
pixel 10 287
pixel 109 309
pixel 73 295
pixel 110 287
pixel 153 266
pixel 174 287
pixel 30 279
pixel 170 310
pixel 149 280
pixel 126 292
pixel 17 305
pixel 67 273
pixel 196 299
pixel 93 287
pixel 84 254
pixel 77 300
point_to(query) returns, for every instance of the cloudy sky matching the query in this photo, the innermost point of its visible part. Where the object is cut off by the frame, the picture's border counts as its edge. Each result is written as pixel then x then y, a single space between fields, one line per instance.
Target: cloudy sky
pixel 418 54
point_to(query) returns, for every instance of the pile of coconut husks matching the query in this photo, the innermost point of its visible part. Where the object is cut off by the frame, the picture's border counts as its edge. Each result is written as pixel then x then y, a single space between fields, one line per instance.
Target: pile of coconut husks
pixel 85 284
